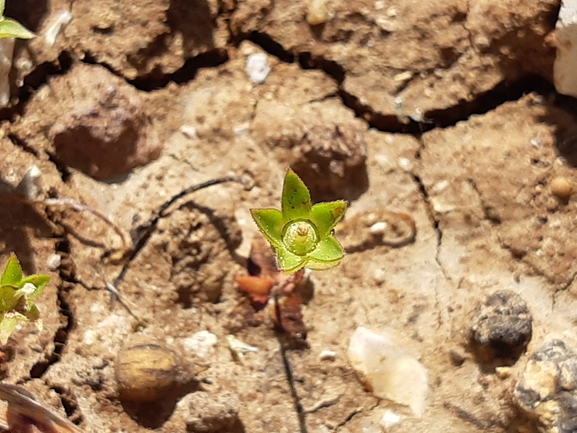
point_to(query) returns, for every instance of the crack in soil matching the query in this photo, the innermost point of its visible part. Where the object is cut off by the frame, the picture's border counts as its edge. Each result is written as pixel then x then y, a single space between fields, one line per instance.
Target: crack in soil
pixel 61 336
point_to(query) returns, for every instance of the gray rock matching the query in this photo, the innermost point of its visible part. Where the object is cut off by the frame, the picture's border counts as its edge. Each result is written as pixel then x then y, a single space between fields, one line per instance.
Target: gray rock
pixel 547 391
pixel 502 328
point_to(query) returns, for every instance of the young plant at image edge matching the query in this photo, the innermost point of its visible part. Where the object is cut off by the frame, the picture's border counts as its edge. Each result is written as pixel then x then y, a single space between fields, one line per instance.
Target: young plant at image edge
pixel 10 28
pixel 16 296
pixel 301 234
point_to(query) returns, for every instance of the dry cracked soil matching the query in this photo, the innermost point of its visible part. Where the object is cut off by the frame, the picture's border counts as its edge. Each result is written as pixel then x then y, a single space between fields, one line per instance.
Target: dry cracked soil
pixel 438 117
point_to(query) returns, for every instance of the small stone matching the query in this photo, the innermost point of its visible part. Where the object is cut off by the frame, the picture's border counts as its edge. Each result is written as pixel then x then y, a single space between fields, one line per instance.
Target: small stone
pixel 328 355
pixel 503 372
pixel 201 343
pixel 457 357
pixel 53 261
pixel 389 419
pixel 56 22
pixel 502 327
pixel 31 184
pixel 387 371
pixel 189 131
pixel 547 390
pixel 561 187
pixel 318 12
pixel 257 67
pixel 403 76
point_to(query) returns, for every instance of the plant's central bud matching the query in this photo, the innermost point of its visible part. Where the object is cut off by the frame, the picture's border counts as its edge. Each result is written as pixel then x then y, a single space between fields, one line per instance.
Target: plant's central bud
pixel 300 237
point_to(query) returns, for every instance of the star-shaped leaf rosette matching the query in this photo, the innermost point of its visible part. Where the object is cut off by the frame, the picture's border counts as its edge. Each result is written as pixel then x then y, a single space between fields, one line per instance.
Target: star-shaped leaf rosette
pixel 301 234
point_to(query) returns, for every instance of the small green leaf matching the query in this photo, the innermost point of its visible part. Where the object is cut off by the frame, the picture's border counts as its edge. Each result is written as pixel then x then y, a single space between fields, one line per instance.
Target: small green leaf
pixel 39 282
pixel 8 298
pixel 2 5
pixel 289 262
pixel 296 199
pixel 327 254
pixel 12 274
pixel 8 323
pixel 270 223
pixel 325 216
pixel 12 29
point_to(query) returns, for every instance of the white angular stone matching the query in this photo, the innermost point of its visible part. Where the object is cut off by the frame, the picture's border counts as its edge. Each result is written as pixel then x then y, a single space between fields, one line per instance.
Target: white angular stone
pixel 387 371
pixel 257 67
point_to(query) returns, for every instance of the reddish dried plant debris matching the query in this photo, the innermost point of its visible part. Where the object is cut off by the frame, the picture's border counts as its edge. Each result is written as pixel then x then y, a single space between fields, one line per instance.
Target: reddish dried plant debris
pixel 271 288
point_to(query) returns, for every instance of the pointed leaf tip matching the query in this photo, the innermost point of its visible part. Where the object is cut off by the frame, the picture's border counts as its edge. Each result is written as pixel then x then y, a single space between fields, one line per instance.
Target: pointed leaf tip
pixel 12 274
pixel 296 198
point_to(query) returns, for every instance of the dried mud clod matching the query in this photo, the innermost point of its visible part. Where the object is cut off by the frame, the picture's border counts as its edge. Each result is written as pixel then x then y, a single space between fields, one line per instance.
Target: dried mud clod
pixel 213 416
pixel 332 162
pixel 547 391
pixel 101 126
pixel 502 328
pixel 200 252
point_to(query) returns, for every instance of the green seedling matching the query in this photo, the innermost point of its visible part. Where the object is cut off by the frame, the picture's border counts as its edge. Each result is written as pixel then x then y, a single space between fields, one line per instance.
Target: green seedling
pixel 16 295
pixel 301 234
pixel 10 28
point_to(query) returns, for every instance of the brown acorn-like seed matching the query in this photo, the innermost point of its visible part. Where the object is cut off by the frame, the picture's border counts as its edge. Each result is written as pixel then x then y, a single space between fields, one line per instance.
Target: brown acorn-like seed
pixel 561 187
pixel 147 372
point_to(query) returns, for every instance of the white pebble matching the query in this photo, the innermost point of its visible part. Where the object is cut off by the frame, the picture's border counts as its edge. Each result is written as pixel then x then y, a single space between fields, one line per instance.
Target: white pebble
pixel 403 76
pixel 53 262
pixel 536 142
pixel 378 228
pixel 241 129
pixel 200 343
pixel 387 371
pixel 328 355
pixel 59 19
pixel 189 131
pixel 390 419
pixel 31 184
pixel 257 67
pixel 405 163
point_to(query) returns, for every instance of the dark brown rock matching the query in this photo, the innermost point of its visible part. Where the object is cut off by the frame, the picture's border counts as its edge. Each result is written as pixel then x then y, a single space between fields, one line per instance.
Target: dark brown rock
pixel 502 327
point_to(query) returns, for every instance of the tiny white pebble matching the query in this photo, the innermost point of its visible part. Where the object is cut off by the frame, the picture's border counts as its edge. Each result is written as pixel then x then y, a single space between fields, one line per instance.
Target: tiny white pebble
pixel 241 129
pixel 31 184
pixel 379 4
pixel 328 355
pixel 403 76
pixel 53 262
pixel 257 67
pixel 378 228
pixel 59 19
pixel 200 343
pixel 536 142
pixel 404 163
pixel 189 131
pixel 389 419
pixel 379 276
pixel 441 186
pixel 89 338
pixel 392 12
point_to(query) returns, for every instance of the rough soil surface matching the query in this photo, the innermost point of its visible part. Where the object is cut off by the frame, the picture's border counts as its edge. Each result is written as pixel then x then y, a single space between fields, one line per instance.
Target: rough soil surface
pixel 438 117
